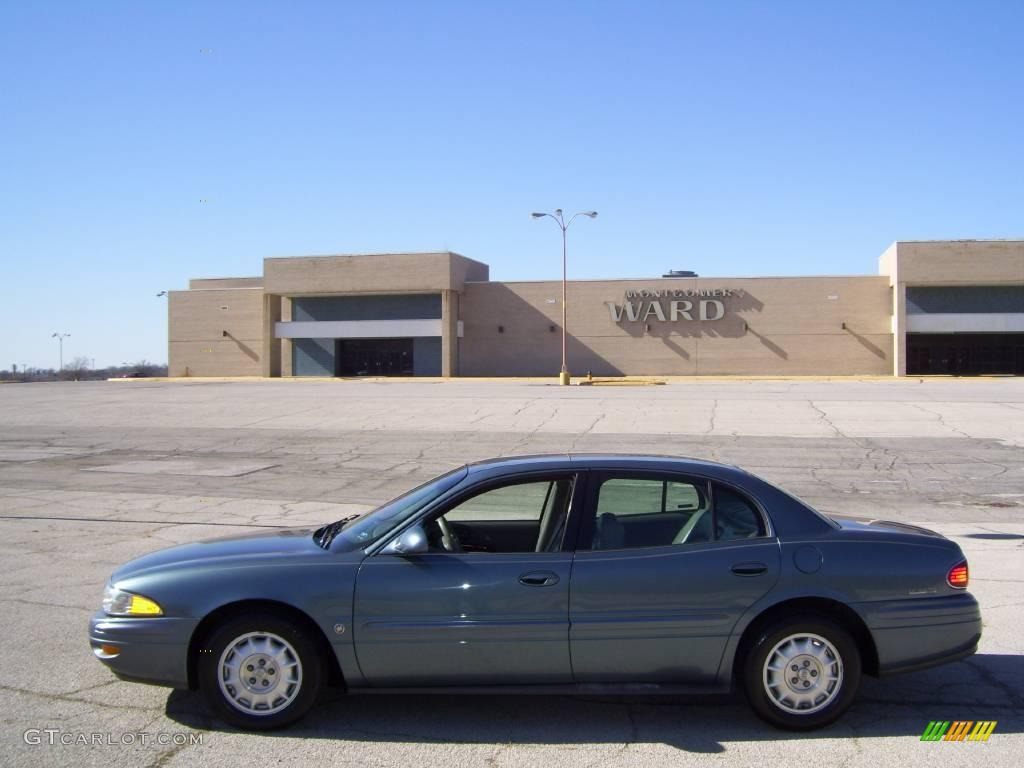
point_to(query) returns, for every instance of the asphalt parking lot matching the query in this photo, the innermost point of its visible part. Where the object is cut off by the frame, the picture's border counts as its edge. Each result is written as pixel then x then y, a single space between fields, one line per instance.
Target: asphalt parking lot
pixel 93 474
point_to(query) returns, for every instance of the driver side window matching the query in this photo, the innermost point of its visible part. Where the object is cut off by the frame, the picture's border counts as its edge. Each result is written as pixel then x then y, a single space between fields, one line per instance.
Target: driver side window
pixel 520 517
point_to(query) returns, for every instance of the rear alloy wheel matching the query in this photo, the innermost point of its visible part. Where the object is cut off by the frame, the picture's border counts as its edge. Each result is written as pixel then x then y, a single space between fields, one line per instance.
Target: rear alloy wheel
pixel 260 672
pixel 802 673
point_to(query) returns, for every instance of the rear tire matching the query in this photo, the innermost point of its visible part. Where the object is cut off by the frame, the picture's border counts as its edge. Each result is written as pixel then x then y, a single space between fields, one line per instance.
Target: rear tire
pixel 802 673
pixel 260 671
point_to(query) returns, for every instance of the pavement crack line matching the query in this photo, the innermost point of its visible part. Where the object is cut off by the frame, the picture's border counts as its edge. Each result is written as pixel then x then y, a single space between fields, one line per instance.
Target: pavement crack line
pixel 713 416
pixel 116 520
pixel 941 419
pixel 68 697
pixel 824 418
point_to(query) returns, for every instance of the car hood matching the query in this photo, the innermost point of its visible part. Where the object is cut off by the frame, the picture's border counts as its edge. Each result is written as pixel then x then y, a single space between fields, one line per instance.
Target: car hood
pixel 264 545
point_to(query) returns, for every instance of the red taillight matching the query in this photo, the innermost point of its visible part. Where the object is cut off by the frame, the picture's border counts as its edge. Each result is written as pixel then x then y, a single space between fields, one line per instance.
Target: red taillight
pixel 958 576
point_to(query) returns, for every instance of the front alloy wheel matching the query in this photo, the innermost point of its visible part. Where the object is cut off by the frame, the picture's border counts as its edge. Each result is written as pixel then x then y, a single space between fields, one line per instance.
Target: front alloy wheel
pixel 260 672
pixel 802 673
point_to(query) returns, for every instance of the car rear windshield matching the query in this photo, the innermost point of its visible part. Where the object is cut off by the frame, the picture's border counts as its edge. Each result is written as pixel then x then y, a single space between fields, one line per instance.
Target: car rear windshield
pixel 817 513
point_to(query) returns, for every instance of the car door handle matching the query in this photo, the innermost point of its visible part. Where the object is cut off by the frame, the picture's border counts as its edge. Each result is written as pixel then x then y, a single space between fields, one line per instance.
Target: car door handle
pixel 749 569
pixel 539 579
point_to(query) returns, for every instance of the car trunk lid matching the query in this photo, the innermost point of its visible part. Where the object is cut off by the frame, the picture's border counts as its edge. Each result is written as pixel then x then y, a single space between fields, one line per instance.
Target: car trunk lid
pixel 849 522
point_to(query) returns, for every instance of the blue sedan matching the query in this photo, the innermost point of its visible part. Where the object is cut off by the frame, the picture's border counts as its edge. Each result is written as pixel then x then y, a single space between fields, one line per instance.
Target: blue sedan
pixel 548 574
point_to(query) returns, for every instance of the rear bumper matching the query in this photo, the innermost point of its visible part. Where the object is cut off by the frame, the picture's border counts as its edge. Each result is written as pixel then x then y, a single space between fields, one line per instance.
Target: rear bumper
pixel 924 632
pixel 149 650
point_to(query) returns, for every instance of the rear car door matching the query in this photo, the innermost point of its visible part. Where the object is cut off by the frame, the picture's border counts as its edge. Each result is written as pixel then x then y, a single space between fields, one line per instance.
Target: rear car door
pixel 665 565
pixel 493 610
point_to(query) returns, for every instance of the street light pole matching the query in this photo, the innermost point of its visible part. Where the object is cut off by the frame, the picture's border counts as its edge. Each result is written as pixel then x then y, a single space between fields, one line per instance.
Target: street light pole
pixel 559 219
pixel 60 342
pixel 563 377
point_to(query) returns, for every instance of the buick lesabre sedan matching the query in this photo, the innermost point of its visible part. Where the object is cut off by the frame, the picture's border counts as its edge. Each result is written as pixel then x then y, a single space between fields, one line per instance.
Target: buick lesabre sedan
pixel 553 574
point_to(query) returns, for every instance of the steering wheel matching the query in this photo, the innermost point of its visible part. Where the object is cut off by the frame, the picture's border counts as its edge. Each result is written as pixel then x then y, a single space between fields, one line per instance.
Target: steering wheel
pixel 448 538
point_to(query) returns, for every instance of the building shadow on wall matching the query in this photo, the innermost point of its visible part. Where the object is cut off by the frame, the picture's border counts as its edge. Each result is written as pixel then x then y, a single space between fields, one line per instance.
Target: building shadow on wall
pixel 872 348
pixel 246 349
pixel 769 344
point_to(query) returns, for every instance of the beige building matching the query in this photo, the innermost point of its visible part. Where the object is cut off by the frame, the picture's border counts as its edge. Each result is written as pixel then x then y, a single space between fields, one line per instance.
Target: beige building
pixel 938 307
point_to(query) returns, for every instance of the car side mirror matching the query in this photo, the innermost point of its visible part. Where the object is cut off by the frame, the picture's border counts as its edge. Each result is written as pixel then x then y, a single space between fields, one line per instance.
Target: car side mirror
pixel 412 541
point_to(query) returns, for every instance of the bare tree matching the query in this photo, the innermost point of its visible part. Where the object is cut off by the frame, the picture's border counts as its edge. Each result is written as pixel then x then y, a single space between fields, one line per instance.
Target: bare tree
pixel 77 369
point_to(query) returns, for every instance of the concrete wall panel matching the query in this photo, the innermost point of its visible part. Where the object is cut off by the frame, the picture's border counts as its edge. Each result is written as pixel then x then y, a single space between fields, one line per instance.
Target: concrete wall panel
pixel 953 262
pixel 383 273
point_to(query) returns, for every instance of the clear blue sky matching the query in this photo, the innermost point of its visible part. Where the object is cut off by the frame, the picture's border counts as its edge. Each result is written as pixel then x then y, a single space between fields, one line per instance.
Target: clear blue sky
pixel 733 138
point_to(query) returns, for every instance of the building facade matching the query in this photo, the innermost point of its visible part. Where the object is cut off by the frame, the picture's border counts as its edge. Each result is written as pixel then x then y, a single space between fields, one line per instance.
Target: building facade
pixel 936 307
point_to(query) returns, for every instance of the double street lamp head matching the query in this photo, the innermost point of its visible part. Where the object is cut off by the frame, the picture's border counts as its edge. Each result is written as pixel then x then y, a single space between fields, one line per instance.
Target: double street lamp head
pixel 557 215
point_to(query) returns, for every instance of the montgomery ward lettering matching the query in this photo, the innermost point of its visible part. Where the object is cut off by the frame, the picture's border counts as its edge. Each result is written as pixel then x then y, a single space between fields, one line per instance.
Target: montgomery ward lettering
pixel 648 305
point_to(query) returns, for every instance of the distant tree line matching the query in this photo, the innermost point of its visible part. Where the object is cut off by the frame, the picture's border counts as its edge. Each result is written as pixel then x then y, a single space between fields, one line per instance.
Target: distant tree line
pixel 80 369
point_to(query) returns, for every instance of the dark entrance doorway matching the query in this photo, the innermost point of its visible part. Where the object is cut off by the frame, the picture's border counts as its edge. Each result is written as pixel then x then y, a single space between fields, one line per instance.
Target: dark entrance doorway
pixel 373 357
pixel 965 354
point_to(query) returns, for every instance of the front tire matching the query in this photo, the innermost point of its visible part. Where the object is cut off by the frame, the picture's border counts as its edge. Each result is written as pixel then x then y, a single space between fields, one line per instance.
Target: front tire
pixel 802 673
pixel 260 672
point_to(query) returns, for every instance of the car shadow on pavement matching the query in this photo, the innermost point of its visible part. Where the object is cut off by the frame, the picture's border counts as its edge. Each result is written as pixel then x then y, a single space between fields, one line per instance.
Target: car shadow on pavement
pixel 984 687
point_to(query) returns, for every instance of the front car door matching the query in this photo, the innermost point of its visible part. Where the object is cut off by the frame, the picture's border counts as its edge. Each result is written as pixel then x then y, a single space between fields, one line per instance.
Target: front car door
pixel 665 566
pixel 487 604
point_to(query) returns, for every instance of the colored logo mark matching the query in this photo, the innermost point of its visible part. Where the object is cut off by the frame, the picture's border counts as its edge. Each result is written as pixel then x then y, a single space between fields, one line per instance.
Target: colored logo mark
pixel 958 730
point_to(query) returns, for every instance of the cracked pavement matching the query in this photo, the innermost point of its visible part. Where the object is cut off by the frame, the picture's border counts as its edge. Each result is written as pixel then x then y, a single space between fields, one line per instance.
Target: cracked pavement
pixel 94 474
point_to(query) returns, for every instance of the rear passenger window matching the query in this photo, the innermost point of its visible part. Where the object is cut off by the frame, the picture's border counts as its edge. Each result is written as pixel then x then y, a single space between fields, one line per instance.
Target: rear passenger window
pixel 633 512
pixel 735 516
pixel 641 512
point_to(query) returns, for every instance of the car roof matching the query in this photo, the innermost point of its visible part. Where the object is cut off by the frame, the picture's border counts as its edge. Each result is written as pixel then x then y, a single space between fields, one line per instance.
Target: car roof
pixel 541 462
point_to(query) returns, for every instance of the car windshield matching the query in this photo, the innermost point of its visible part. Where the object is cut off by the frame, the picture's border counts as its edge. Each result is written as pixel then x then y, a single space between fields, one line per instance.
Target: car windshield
pixel 366 529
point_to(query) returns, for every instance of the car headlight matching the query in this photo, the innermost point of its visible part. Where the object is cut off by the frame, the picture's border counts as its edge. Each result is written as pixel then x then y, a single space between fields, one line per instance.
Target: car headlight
pixel 117 602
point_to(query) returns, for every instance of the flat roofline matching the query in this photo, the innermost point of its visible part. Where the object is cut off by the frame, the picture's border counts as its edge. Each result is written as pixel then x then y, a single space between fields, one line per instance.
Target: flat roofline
pixel 678 279
pixel 967 240
pixel 374 253
pixel 232 277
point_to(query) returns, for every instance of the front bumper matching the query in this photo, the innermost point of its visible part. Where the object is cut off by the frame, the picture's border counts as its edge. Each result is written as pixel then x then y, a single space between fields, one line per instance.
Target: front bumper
pixel 153 649
pixel 923 632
